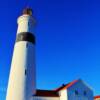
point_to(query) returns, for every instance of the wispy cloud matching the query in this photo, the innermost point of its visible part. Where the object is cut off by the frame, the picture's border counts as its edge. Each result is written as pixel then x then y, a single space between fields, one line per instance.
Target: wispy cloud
pixel 3 86
pixel 3 89
pixel 2 93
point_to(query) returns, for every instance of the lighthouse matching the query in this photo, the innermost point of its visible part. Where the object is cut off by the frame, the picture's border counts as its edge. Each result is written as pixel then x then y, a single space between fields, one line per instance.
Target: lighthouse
pixel 22 78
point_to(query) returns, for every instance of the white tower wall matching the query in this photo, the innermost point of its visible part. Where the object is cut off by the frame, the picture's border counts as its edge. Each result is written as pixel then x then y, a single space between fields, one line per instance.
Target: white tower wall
pixel 22 84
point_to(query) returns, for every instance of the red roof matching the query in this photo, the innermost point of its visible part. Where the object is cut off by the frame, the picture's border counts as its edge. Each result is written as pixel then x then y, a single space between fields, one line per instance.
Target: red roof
pixel 66 86
pixel 98 96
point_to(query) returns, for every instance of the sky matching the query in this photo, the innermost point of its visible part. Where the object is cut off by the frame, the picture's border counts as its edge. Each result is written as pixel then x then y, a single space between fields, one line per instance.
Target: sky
pixel 67 41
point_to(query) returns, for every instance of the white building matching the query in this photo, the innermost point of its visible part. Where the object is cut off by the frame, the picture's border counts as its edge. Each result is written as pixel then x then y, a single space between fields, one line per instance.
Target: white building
pixel 22 77
pixel 76 90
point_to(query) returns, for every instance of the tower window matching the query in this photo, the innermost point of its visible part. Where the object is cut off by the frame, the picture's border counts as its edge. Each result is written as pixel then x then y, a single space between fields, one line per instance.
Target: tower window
pixel 27 45
pixel 25 71
pixel 76 92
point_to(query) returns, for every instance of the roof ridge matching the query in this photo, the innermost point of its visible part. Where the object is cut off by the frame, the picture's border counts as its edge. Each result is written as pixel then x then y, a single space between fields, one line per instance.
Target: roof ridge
pixel 67 85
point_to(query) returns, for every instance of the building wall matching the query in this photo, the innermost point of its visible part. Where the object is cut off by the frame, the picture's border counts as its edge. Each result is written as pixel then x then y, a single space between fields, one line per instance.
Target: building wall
pixel 45 98
pixel 63 95
pixel 80 91
pixel 97 99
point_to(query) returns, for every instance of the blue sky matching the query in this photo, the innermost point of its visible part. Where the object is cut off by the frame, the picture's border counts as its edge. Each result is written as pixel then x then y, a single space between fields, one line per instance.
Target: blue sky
pixel 67 36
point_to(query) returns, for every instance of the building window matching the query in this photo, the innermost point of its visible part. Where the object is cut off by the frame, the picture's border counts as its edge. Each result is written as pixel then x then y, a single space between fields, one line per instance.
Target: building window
pixel 85 93
pixel 76 92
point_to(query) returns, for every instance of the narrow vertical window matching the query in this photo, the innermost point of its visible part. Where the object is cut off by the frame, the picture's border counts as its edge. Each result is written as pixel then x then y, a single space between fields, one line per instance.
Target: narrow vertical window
pixel 25 71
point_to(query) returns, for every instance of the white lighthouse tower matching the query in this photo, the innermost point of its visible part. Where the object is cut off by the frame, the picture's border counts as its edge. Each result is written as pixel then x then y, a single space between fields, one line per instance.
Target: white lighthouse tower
pixel 22 84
